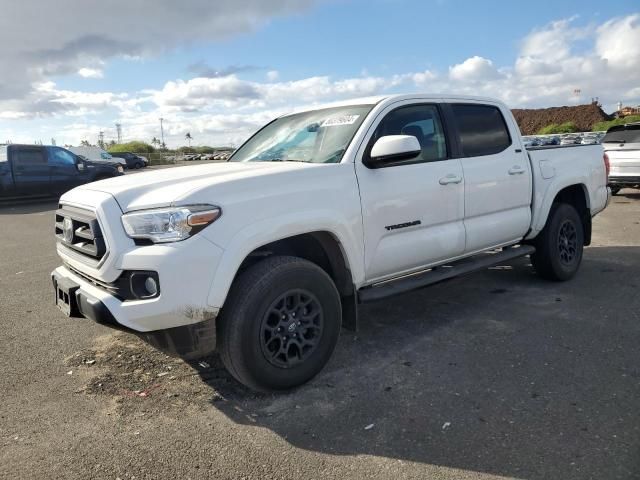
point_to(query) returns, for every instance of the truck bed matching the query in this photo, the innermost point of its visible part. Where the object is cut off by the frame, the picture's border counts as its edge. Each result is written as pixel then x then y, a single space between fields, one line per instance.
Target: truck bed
pixel 555 167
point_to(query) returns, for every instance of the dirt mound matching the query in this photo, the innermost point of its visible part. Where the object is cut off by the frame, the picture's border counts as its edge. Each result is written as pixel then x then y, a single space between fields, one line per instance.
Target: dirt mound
pixel 141 378
pixel 531 121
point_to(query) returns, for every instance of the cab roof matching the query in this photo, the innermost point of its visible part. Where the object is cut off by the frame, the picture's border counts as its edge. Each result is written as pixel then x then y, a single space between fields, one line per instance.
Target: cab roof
pixel 386 99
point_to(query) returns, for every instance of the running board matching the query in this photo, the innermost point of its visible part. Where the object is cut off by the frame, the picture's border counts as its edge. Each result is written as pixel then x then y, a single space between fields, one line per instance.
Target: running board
pixel 441 273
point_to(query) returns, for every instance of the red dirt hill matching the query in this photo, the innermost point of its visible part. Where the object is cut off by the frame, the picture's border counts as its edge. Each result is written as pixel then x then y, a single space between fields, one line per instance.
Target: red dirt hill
pixel 531 121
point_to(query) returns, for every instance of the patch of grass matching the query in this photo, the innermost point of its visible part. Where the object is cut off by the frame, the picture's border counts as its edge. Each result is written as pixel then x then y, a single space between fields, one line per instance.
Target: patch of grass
pixel 602 126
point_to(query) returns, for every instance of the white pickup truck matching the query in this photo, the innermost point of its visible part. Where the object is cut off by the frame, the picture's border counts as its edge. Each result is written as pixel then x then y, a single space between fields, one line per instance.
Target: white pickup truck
pixel 267 255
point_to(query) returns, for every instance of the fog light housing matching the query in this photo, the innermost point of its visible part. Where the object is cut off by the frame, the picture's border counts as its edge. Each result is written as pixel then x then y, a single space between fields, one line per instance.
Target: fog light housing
pixel 144 285
pixel 151 286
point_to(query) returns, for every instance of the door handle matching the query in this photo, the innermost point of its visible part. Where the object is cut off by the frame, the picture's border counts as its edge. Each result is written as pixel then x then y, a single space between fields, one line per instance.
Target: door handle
pixel 516 170
pixel 451 178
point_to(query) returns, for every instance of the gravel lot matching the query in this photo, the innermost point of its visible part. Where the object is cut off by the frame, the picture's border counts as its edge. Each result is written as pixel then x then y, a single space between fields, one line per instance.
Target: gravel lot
pixel 499 374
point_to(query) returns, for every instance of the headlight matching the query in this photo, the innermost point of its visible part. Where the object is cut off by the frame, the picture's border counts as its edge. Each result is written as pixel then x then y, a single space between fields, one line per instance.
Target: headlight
pixel 120 169
pixel 169 224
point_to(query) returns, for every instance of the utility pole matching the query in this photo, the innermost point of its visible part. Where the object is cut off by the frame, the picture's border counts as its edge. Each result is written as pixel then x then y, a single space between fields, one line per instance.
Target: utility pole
pixel 101 139
pixel 162 133
pixel 119 132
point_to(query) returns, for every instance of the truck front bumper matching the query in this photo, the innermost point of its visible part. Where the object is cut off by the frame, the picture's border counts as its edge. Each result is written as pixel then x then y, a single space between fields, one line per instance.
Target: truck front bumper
pixel 77 297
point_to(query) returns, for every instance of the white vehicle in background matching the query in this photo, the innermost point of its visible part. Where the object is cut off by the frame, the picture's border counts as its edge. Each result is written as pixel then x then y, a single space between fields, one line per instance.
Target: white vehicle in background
pixel 268 255
pixel 622 146
pixel 570 140
pixel 590 139
pixel 97 154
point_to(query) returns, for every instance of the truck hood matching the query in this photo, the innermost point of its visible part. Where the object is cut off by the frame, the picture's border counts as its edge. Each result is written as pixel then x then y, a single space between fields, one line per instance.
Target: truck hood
pixel 164 187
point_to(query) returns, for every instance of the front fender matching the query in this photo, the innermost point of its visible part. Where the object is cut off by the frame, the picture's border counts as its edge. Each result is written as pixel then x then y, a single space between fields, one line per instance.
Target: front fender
pixel 347 231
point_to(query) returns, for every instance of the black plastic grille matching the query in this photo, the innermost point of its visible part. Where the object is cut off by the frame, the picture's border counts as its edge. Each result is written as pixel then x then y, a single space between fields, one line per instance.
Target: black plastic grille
pixel 80 231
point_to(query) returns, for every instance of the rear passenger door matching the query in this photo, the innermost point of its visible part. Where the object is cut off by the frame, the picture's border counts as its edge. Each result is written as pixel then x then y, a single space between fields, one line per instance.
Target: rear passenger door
pixel 497 176
pixel 30 169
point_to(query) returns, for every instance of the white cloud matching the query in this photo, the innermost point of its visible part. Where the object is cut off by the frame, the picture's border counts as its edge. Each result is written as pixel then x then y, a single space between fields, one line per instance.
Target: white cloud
pixel 618 42
pixel 474 69
pixel 69 38
pixel 553 42
pixel 219 106
pixel 90 72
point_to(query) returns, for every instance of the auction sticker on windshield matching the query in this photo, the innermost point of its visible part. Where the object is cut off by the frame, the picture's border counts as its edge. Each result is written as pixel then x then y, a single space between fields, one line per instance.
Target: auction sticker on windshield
pixel 341 120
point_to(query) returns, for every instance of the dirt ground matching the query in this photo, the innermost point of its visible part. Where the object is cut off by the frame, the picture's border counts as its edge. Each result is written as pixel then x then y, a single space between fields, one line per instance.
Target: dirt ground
pixel 498 374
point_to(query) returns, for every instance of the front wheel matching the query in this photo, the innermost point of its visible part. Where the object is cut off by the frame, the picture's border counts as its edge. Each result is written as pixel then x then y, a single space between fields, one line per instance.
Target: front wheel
pixel 280 323
pixel 560 244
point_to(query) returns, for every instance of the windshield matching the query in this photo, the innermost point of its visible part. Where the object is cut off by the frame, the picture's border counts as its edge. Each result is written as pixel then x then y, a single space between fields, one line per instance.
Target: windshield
pixel 623 134
pixel 317 136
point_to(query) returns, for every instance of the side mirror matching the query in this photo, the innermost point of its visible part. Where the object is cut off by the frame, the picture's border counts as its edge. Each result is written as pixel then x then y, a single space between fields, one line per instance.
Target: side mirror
pixel 79 164
pixel 393 148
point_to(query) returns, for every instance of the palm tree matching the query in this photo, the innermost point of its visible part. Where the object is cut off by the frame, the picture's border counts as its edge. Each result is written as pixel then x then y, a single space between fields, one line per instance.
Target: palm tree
pixel 188 138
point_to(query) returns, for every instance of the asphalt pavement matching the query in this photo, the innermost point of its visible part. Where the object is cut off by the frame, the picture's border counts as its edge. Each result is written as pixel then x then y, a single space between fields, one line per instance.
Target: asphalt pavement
pixel 497 374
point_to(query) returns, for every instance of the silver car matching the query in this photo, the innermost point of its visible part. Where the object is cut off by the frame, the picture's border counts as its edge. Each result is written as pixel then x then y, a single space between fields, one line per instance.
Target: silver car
pixel 590 139
pixel 570 140
pixel 622 146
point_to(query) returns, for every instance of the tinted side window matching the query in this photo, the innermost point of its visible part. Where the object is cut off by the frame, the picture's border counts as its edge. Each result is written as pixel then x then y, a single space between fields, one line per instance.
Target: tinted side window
pixel 28 156
pixel 420 121
pixel 482 129
pixel 60 156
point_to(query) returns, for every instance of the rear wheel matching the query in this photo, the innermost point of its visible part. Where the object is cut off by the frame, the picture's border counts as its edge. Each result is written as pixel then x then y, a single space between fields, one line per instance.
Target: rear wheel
pixel 560 244
pixel 138 165
pixel 615 190
pixel 280 323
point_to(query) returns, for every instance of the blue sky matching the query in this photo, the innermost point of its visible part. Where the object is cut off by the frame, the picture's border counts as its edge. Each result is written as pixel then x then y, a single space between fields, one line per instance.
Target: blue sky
pixel 308 53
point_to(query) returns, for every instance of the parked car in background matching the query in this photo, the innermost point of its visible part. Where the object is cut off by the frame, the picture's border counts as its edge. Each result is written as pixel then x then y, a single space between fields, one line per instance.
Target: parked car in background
pixel 97 154
pixel 548 141
pixel 36 170
pixel 622 146
pixel 317 212
pixel 133 160
pixel 530 141
pixel 590 139
pixel 570 140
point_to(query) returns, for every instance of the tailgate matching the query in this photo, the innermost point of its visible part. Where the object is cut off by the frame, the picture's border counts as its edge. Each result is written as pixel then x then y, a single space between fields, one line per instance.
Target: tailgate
pixel 623 159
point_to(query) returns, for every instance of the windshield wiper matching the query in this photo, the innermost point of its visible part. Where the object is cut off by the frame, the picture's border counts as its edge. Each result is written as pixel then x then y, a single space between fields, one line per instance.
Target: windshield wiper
pixel 286 160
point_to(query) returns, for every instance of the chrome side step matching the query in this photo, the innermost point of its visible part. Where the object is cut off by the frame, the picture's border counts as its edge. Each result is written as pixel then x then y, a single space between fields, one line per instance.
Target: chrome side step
pixel 441 273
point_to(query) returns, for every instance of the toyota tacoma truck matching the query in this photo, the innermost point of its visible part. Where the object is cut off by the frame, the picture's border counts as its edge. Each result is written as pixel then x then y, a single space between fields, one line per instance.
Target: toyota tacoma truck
pixel 265 257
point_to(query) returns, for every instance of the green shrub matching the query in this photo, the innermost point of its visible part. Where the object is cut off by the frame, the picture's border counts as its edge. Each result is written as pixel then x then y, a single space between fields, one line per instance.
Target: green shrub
pixel 603 126
pixel 135 147
pixel 567 127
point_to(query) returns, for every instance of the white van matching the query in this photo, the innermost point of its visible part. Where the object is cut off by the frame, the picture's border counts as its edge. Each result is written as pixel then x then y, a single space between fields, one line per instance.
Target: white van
pixel 97 154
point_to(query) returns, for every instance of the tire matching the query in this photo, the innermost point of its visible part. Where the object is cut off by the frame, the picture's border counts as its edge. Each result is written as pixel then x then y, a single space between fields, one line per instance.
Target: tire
pixel 615 190
pixel 138 166
pixel 560 244
pixel 286 293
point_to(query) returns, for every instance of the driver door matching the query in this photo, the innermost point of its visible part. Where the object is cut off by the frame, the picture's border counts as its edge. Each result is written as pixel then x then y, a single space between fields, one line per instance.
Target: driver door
pixel 64 170
pixel 413 211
